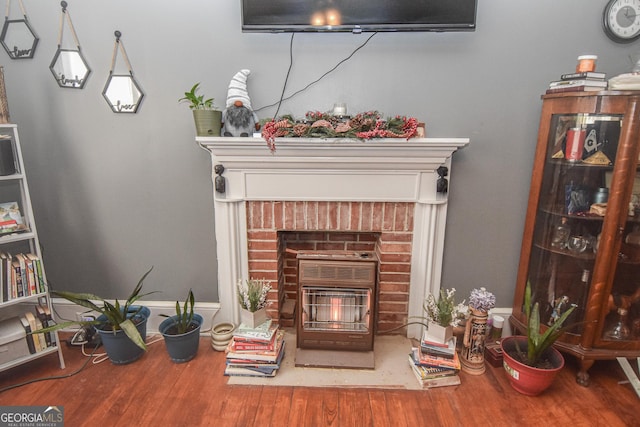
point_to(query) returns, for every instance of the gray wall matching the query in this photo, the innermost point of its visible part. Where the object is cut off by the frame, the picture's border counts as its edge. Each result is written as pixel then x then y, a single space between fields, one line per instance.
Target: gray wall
pixel 114 194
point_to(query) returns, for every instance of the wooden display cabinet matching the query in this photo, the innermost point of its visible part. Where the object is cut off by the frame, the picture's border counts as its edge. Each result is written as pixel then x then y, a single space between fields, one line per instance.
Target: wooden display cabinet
pixel 581 246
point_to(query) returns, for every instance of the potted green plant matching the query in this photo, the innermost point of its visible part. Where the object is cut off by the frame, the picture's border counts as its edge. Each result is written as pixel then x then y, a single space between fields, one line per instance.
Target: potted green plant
pixel 530 361
pixel 122 327
pixel 252 296
pixel 181 331
pixel 440 315
pixel 206 116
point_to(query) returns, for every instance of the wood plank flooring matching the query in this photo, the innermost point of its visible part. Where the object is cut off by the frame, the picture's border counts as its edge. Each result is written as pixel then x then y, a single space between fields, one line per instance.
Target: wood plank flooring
pixel 156 392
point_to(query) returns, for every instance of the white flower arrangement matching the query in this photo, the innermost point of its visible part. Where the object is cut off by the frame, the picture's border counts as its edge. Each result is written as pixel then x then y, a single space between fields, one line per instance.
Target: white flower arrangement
pixel 460 314
pixel 441 311
pixel 252 294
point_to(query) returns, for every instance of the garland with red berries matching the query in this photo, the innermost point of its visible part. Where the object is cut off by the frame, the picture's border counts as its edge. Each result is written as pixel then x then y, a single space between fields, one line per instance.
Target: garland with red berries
pixel 317 124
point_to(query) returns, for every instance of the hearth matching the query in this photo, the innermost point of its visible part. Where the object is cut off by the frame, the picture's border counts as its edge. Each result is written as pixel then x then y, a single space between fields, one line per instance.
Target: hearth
pixel 337 300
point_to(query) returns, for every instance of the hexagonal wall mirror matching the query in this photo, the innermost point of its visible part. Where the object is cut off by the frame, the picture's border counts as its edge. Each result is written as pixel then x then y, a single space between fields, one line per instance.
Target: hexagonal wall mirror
pixel 123 93
pixel 18 39
pixel 70 68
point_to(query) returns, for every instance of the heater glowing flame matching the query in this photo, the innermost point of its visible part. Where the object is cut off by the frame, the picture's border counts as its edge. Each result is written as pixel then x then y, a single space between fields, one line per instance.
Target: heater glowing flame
pixel 336 310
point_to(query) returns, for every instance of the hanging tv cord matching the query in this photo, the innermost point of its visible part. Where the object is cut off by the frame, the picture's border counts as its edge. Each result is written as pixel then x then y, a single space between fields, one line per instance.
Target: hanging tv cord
pixel 283 98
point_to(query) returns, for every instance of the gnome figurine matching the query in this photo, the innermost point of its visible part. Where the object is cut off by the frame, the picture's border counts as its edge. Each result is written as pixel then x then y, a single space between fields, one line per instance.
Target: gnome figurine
pixel 238 118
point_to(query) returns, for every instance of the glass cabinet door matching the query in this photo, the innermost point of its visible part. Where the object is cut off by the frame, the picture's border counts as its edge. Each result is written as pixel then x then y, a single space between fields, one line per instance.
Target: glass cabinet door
pixel 577 176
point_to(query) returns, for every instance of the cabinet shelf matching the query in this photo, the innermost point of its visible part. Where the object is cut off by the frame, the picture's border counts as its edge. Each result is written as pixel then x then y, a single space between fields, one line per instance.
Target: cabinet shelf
pixel 598 283
pixel 587 255
pixel 568 164
pixel 559 212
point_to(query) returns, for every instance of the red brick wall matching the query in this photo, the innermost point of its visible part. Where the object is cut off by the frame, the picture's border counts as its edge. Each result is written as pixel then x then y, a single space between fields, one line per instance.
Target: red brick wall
pixel 383 227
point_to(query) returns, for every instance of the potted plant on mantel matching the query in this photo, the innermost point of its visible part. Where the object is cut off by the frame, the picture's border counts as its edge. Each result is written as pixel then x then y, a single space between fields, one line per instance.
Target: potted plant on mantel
pixel 530 361
pixel 252 296
pixel 122 327
pixel 206 116
pixel 181 331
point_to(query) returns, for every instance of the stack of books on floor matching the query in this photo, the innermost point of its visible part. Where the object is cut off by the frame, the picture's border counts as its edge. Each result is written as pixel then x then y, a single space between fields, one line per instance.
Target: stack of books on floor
pixel 587 81
pixel 435 364
pixel 255 352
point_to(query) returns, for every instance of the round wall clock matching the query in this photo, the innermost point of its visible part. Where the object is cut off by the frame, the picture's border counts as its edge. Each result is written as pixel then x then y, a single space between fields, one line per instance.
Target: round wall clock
pixel 621 20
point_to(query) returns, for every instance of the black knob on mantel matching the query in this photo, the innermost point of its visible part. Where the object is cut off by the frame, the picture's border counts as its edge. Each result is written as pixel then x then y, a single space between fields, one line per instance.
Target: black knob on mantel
pixel 442 186
pixel 220 183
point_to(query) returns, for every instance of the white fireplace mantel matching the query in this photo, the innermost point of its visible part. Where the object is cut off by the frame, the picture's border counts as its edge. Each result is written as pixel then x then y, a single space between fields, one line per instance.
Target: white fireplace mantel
pixel 313 169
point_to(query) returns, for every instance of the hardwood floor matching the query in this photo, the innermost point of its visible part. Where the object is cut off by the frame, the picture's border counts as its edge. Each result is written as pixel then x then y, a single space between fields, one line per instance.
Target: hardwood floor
pixel 155 391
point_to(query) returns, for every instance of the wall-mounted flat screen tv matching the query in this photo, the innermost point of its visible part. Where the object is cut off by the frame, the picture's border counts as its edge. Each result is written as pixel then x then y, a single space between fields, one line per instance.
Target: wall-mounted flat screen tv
pixel 358 15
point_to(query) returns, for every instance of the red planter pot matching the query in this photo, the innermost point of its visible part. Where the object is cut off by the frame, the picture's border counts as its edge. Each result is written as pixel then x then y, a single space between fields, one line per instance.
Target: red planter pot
pixel 524 378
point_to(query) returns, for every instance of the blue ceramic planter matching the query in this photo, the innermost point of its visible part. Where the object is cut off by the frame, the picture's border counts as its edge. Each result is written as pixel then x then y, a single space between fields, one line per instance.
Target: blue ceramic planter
pixel 120 349
pixel 183 347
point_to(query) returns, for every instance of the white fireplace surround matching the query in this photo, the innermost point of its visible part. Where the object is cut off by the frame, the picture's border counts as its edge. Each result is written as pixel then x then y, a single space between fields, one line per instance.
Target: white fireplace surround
pixel 302 169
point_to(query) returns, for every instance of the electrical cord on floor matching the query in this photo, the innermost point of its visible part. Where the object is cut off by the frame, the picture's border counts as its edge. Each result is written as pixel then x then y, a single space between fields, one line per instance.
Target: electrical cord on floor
pixel 101 357
pixel 55 377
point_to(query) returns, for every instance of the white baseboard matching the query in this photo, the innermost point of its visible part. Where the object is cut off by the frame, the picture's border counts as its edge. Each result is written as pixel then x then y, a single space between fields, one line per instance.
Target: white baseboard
pixel 65 310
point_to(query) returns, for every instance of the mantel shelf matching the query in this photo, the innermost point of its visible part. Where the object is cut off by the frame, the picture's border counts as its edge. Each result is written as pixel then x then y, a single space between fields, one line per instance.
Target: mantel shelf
pixel 424 154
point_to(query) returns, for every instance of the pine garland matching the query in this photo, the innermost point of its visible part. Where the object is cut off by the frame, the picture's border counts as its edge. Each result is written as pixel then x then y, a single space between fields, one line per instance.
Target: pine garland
pixel 317 124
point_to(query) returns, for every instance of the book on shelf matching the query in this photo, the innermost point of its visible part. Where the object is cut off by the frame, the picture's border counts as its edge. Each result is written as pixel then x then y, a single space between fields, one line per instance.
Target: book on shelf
pixel 586 75
pixel 28 277
pixel 5 279
pixel 44 314
pixel 29 336
pixel 17 289
pixel 20 276
pixel 35 325
pixel 37 269
pixel 11 219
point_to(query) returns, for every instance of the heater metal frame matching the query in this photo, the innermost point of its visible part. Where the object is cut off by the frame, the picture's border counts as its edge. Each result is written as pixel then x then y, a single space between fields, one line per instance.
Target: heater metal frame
pixel 323 275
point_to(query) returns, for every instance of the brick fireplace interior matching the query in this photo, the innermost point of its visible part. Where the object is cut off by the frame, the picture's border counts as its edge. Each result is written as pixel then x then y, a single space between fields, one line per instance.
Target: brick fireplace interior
pixel 277 230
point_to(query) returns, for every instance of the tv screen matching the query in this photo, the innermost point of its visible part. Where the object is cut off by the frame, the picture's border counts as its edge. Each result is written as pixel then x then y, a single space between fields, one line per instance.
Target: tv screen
pixel 358 15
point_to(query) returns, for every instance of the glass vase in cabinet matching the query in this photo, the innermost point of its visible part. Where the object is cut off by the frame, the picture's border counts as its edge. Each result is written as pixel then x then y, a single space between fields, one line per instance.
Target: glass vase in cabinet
pixel 581 241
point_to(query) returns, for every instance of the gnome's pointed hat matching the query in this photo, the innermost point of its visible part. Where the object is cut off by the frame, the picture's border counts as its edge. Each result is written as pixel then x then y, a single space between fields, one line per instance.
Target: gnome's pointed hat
pixel 238 89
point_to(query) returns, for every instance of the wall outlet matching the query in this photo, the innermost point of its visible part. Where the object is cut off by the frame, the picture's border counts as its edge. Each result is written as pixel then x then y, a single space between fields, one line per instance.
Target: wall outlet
pixel 84 317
